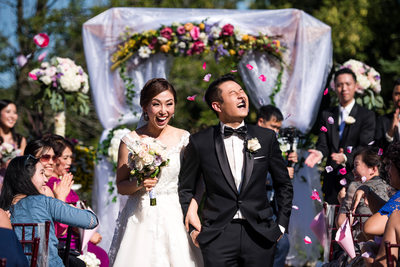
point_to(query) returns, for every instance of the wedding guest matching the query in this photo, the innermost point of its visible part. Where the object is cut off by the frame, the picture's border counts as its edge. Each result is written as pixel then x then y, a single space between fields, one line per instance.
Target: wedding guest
pixel 342 130
pixel 387 126
pixel 148 235
pixel 10 247
pixel 22 195
pixel 8 119
pixel 64 150
pixel 367 163
pixel 271 117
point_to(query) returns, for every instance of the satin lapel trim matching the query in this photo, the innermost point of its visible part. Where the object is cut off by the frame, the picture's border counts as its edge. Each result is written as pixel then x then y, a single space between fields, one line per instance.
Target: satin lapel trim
pixel 223 159
pixel 335 129
pixel 348 127
pixel 248 165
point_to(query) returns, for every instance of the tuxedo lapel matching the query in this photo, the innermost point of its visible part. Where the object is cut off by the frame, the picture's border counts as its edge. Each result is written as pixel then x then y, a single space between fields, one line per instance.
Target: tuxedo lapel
pixel 348 127
pixel 335 129
pixel 223 159
pixel 248 164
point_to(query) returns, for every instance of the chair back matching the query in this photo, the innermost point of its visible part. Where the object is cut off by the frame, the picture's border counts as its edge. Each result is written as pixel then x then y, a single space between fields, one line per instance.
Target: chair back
pixel 29 240
pixel 3 262
pixel 331 227
pixel 389 256
pixel 357 222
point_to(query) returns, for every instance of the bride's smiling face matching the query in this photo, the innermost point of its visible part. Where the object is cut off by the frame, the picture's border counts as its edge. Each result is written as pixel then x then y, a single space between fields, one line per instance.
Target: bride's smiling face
pixel 160 109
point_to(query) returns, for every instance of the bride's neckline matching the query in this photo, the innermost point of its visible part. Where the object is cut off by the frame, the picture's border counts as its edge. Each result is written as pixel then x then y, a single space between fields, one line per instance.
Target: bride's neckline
pixel 134 135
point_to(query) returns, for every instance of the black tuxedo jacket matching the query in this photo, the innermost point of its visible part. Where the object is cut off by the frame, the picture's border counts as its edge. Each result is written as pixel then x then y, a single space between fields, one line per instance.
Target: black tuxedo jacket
pixel 360 133
pixel 382 126
pixel 205 157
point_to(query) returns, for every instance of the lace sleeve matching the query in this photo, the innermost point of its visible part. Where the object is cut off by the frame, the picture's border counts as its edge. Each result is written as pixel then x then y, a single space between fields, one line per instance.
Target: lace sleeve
pixel 392 205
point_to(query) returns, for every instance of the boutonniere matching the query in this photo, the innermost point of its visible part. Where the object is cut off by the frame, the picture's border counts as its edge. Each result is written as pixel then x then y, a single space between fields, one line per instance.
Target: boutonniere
pixel 350 120
pixel 253 145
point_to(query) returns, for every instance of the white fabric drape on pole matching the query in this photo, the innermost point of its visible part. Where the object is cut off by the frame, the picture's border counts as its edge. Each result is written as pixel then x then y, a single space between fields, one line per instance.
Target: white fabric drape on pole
pixel 308 61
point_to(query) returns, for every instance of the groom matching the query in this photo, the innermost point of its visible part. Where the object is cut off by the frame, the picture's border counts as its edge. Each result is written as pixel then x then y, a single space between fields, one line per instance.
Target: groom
pixel 233 159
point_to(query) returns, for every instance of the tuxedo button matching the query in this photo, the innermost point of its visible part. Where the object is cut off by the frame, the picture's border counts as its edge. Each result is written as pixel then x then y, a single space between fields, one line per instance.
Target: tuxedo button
pixel 239 202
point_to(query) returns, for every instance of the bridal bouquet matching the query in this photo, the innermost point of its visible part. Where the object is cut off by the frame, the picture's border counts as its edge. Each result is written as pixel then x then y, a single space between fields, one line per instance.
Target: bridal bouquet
pixel 8 152
pixel 145 159
pixel 61 79
pixel 90 259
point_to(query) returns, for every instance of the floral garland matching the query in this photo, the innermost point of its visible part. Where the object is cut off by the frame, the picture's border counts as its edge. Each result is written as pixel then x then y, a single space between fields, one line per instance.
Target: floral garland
pixel 193 39
pixel 368 84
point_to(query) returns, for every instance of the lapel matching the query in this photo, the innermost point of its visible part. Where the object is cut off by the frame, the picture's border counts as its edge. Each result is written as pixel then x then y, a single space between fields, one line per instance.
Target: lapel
pixel 222 158
pixel 248 161
pixel 348 127
pixel 335 129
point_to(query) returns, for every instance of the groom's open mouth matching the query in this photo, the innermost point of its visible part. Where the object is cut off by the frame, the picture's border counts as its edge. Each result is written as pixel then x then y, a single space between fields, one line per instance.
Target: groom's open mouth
pixel 242 104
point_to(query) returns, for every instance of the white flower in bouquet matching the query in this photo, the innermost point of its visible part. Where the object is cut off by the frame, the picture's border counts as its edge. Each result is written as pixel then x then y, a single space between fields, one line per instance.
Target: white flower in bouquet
pixel 114 144
pixel 90 259
pixel 69 81
pixel 215 31
pixel 363 83
pixel 367 77
pixel 45 79
pixel 8 152
pixel 144 52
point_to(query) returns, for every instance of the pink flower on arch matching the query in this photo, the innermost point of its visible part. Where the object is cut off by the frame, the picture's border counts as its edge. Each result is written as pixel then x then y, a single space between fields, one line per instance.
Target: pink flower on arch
pixel 195 32
pixel 227 30
pixel 166 33
pixel 41 39
pixel 181 30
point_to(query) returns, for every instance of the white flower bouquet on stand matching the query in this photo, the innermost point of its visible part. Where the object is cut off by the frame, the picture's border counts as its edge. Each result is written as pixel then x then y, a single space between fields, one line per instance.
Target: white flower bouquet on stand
pixel 62 82
pixel 145 159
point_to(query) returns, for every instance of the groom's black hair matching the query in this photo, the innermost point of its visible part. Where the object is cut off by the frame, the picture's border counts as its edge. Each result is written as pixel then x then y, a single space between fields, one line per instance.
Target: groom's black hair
pixel 213 93
pixel 345 71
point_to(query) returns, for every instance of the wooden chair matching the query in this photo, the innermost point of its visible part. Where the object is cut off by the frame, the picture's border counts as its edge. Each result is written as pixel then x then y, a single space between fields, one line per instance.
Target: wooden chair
pixel 30 245
pixel 389 257
pixel 357 224
pixel 3 262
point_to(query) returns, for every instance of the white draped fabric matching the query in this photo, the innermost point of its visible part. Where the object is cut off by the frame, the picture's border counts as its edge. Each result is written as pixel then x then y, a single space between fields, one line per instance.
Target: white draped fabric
pixel 307 63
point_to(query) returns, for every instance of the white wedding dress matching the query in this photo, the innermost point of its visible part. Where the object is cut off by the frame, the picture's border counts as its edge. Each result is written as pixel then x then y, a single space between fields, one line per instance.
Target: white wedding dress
pixel 155 235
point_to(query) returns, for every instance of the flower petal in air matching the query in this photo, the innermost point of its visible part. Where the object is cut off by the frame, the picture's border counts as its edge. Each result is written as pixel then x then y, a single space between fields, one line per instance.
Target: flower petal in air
pixel 307 240
pixel 342 171
pixel 233 71
pixel 363 179
pixel 343 182
pixel 331 120
pixel 323 129
pixel 42 56
pixel 326 91
pixel 380 152
pixel 41 39
pixel 191 98
pixel 328 169
pixel 295 207
pixel 250 67
pixel 204 66
pixel 207 77
pixel 349 149
pixel 371 143
pixel 32 76
pixel 315 195
pixel 22 60
pixel 262 78
pixel 366 254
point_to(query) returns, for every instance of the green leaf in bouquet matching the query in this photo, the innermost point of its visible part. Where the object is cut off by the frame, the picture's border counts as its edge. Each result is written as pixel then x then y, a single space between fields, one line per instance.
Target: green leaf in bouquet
pixel 359 101
pixel 155 173
pixel 366 99
pixel 379 101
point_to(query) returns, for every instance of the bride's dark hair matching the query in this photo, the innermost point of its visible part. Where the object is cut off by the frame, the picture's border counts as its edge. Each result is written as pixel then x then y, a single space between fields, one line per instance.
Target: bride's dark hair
pixel 154 87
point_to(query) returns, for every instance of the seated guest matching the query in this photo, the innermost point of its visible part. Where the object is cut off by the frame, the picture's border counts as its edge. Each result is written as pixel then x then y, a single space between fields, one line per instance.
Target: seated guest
pixel 366 172
pixel 10 247
pixel 63 150
pixel 344 128
pixel 22 195
pixel 387 126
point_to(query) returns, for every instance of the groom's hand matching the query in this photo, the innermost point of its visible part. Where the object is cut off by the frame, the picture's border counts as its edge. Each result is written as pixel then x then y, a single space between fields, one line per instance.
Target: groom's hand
pixel 194 235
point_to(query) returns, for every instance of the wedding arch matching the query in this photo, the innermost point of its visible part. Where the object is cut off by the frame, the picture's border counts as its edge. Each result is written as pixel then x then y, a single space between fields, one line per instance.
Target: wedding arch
pixel 307 60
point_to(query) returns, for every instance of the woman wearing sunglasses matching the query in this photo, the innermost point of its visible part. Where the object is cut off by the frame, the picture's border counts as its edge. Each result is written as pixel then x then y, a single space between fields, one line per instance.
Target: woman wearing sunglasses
pixel 23 195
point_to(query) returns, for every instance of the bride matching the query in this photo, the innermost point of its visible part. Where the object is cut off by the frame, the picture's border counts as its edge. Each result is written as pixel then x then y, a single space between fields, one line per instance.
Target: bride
pixel 153 235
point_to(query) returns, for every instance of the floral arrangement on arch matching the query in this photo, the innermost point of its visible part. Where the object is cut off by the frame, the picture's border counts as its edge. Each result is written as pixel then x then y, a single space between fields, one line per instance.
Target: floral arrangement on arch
pixel 194 39
pixel 368 84
pixel 62 81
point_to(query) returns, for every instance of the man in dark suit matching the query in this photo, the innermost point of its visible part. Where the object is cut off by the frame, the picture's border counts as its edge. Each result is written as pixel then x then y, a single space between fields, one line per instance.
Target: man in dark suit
pixel 387 126
pixel 233 159
pixel 342 130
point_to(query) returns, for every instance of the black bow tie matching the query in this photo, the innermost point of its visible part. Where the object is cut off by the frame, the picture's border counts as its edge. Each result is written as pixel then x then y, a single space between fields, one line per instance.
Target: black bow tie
pixel 241 131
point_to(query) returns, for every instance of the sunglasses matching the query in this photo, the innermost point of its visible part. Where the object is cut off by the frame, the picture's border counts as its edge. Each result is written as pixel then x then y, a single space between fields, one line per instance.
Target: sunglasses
pixel 46 158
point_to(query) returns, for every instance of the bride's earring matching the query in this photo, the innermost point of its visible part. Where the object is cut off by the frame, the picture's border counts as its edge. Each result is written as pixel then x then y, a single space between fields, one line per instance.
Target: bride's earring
pixel 173 115
pixel 145 116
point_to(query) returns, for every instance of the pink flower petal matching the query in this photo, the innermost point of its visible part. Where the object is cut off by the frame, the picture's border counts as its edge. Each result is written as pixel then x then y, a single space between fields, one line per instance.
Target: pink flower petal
pixel 207 77
pixel 323 129
pixel 262 78
pixel 191 98
pixel 250 67
pixel 342 171
pixel 295 207
pixel 363 179
pixel 326 91
pixel 32 76
pixel 233 70
pixel 22 60
pixel 315 195
pixel 328 169
pixel 307 240
pixel 371 143
pixel 331 120
pixel 343 182
pixel 41 39
pixel 349 149
pixel 42 56
pixel 204 66
pixel 380 152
